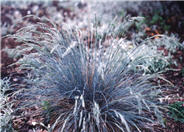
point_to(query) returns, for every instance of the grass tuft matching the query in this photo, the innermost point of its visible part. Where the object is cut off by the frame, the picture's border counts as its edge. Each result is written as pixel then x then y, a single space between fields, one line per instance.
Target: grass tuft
pixel 94 84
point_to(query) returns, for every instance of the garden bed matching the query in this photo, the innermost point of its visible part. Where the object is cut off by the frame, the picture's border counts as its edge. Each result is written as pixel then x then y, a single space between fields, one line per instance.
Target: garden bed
pixel 160 18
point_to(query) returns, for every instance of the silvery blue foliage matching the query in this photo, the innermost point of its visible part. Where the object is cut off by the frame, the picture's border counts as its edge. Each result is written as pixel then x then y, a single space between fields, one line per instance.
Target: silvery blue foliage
pixel 5 107
pixel 90 87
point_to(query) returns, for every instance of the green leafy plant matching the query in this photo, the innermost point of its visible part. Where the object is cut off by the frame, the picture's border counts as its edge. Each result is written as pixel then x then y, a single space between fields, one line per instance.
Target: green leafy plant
pixel 46 105
pixel 176 111
pixel 89 88
pixel 157 19
pixel 139 24
pixel 182 71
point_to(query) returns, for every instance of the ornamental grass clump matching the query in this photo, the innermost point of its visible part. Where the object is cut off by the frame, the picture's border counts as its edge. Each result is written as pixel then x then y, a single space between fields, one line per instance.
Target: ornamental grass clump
pixel 88 87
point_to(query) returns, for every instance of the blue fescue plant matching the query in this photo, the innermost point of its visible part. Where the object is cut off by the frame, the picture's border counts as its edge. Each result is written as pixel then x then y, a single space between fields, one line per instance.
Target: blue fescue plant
pixel 6 109
pixel 157 52
pixel 89 87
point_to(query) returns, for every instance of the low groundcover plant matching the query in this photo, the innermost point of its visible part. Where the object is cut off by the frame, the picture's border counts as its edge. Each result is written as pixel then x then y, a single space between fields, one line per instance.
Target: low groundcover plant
pixel 176 111
pixel 88 87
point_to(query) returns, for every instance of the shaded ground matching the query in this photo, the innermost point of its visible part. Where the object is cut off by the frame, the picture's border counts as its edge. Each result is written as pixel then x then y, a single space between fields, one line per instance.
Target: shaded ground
pixel 161 17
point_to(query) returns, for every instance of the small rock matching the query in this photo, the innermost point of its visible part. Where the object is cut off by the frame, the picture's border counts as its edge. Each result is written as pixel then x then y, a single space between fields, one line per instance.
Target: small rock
pixel 15 79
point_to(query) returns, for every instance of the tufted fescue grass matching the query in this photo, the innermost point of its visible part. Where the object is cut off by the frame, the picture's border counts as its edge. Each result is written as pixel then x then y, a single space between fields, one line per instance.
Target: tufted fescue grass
pixel 90 86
